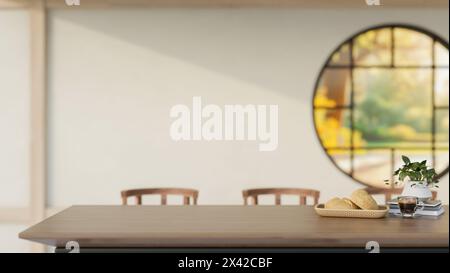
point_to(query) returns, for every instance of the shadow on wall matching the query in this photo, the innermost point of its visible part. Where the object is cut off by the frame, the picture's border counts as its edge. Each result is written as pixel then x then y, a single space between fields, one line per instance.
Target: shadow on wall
pixel 208 39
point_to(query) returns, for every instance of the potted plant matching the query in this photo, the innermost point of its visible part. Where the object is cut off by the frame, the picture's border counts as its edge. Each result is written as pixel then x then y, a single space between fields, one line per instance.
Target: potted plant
pixel 420 178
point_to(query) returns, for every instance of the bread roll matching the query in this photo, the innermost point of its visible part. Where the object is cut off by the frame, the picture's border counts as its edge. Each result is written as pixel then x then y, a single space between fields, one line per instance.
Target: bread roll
pixel 337 203
pixel 363 200
pixel 348 201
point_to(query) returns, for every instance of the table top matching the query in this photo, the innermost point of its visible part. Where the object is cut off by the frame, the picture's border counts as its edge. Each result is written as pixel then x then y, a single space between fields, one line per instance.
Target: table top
pixel 230 226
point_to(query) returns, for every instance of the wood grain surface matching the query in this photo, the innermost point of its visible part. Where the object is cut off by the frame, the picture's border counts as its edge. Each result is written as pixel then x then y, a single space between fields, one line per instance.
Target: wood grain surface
pixel 230 226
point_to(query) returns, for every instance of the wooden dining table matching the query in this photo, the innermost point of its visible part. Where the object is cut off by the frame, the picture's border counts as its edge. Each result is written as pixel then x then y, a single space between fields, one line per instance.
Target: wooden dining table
pixel 237 228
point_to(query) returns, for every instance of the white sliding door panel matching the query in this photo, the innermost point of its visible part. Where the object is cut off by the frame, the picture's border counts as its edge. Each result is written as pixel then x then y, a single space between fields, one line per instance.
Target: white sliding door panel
pixel 14 108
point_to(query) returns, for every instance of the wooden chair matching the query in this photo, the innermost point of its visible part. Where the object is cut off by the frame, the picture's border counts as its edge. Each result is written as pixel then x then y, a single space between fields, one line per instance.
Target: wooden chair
pixel 389 192
pixel 301 193
pixel 188 195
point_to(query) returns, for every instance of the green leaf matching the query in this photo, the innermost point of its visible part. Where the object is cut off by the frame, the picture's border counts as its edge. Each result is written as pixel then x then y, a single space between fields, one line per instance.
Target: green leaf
pixel 416 166
pixel 416 171
pixel 406 159
pixel 411 175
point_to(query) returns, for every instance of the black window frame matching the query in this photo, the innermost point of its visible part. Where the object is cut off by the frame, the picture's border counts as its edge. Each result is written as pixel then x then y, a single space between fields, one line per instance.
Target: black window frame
pixel 351 66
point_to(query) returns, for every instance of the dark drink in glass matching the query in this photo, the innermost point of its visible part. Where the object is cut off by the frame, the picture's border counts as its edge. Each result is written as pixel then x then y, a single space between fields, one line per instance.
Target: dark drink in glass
pixel 408 205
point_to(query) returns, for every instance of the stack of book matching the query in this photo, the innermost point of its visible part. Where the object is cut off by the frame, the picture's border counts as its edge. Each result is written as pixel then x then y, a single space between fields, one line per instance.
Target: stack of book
pixel 430 208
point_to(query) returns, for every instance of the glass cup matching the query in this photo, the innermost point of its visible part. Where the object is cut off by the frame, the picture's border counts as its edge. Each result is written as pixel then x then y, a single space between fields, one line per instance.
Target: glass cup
pixel 408 205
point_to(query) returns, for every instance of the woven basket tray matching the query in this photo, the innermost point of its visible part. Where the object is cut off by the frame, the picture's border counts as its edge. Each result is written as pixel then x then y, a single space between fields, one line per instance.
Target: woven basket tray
pixel 351 213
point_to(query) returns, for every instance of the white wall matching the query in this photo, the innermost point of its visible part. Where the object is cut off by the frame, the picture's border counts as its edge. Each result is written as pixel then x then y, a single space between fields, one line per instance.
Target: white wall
pixel 14 108
pixel 114 75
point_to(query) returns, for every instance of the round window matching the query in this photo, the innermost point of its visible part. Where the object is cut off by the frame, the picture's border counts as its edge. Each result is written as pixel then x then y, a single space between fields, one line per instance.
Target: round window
pixel 384 93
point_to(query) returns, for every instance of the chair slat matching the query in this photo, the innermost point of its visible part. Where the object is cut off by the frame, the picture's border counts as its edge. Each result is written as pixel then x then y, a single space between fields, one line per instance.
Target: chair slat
pixel 277 199
pixel 187 194
pixel 389 192
pixel 278 192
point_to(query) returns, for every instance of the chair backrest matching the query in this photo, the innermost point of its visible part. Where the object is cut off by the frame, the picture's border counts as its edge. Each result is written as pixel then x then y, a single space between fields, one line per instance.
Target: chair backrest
pixel 188 195
pixel 278 192
pixel 389 192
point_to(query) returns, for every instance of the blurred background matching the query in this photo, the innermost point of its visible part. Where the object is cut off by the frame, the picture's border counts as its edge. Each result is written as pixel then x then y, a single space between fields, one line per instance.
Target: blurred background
pixel 85 95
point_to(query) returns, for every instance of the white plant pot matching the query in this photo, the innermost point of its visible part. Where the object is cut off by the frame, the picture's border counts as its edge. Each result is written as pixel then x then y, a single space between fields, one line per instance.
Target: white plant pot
pixel 418 190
